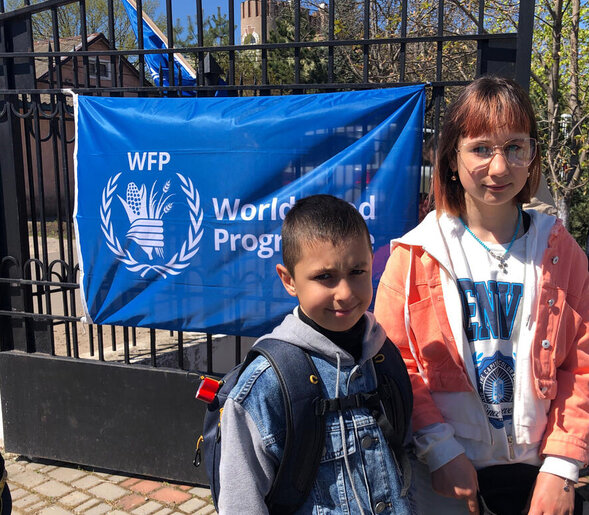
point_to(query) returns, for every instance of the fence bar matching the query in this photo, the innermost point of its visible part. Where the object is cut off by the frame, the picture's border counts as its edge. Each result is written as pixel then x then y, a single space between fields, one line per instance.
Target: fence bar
pixel 112 43
pixel 209 353
pixel 231 72
pixel 297 38
pixel 140 40
pixel 264 37
pixel 440 44
pixel 100 343
pixel 152 347
pixel 181 350
pixel 525 29
pixel 126 344
pixel 200 42
pixel 331 37
pixel 113 336
pixel 237 349
pixel 84 34
pixel 403 45
pixel 366 46
pixel 15 35
pixel 91 340
pixel 170 36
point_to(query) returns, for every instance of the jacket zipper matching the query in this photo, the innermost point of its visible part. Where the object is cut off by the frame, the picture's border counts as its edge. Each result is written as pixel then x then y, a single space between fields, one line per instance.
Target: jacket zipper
pixel 510 445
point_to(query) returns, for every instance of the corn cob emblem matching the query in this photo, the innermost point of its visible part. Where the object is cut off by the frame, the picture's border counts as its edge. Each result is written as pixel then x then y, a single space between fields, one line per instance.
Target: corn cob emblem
pixel 145 216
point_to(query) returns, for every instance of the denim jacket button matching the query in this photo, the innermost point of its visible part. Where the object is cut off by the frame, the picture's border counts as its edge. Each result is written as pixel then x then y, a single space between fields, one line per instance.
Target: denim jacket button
pixel 545 344
pixel 555 260
pixel 380 507
pixel 366 442
pixel 551 302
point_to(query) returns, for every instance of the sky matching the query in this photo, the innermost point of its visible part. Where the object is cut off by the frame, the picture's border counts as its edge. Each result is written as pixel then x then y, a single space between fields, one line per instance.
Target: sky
pixel 183 8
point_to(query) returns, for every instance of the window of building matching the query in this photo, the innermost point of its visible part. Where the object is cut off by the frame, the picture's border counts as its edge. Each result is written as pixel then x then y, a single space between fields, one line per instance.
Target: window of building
pixel 103 69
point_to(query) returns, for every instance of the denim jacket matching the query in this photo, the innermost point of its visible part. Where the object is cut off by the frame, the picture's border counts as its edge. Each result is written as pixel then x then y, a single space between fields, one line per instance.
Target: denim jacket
pixel 252 432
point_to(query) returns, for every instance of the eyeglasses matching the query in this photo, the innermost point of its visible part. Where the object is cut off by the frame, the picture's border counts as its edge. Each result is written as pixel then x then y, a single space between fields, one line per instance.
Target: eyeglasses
pixel 517 152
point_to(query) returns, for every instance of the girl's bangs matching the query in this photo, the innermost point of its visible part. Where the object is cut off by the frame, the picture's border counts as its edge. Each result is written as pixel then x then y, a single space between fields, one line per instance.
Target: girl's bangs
pixel 483 116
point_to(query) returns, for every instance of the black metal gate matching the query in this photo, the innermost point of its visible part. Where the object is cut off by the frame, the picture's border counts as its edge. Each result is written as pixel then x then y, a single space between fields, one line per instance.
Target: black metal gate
pixel 122 398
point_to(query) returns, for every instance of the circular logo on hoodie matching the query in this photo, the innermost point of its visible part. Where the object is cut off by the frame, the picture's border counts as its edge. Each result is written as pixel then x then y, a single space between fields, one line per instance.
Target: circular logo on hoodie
pixel 496 387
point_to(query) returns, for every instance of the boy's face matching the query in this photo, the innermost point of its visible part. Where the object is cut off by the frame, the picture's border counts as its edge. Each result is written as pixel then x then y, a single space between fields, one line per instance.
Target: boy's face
pixel 333 284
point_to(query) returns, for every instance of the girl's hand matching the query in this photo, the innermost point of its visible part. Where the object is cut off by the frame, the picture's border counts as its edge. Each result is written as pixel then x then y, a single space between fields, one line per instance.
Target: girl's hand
pixel 458 478
pixel 549 496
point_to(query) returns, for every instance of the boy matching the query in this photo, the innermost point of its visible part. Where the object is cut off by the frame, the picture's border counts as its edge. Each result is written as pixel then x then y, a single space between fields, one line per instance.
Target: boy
pixel 327 258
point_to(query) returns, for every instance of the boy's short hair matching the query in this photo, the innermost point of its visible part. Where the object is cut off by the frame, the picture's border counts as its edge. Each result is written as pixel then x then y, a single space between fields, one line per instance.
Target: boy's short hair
pixel 319 218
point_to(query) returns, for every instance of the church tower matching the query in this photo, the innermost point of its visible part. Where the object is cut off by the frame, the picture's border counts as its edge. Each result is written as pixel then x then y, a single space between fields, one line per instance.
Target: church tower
pixel 251 20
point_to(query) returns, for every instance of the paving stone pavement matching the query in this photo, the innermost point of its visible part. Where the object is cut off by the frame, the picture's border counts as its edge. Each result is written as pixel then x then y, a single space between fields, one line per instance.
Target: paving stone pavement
pixel 54 488
pixel 45 487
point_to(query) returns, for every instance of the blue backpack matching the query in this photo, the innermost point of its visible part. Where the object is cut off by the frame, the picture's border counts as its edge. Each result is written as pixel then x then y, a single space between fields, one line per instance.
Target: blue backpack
pixel 305 407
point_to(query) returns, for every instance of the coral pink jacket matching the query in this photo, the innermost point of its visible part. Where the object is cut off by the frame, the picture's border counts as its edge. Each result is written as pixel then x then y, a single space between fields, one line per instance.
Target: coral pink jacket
pixel 415 317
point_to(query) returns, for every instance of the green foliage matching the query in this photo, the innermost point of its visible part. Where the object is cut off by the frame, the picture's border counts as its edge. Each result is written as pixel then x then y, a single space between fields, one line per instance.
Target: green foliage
pixel 216 32
pixel 281 64
pixel 216 29
pixel 579 222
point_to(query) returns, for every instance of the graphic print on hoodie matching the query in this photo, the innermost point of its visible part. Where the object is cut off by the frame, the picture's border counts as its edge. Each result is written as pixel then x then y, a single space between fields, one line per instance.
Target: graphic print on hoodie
pixel 491 305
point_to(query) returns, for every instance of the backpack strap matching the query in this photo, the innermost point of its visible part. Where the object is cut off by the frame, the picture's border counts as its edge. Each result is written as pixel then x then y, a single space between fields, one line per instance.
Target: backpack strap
pixel 396 396
pixel 305 430
pixel 394 388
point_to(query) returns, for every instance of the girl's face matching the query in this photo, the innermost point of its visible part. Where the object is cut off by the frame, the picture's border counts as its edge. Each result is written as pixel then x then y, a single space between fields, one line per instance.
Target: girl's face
pixel 493 168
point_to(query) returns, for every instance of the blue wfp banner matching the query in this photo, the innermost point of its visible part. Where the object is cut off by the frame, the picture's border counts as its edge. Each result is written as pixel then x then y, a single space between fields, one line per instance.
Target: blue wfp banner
pixel 180 201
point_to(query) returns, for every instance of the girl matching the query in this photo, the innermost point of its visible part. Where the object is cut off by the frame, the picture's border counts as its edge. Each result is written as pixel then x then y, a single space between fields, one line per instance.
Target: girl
pixel 489 305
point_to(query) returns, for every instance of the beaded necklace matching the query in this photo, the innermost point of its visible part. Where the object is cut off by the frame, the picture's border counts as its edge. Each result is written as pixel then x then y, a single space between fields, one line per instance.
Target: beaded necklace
pixel 501 258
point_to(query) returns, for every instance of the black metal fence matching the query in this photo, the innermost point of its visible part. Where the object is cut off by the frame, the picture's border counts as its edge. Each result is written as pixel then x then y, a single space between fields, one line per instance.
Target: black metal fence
pixel 286 47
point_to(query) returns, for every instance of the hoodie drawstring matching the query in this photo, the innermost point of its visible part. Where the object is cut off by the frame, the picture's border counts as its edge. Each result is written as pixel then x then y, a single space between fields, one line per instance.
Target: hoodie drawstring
pixel 344 438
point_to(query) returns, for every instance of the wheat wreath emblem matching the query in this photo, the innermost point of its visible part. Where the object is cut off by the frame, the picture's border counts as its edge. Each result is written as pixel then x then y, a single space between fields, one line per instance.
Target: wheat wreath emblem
pixel 145 218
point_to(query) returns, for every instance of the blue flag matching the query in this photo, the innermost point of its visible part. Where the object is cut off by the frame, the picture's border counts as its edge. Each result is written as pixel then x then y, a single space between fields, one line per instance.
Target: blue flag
pixel 154 39
pixel 180 201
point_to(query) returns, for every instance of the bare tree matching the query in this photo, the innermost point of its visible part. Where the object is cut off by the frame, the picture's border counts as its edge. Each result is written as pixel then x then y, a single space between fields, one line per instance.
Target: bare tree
pixel 69 20
pixel 560 92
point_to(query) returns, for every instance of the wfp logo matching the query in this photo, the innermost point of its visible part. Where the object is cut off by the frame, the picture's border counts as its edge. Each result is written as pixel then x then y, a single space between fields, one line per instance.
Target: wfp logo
pixel 145 214
pixel 147 227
